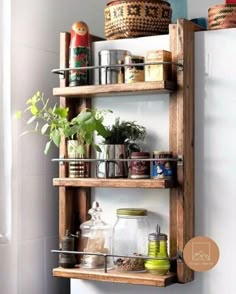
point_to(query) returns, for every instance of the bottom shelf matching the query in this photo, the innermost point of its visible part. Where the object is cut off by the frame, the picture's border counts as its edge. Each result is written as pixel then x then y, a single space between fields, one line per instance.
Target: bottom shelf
pixel 116 277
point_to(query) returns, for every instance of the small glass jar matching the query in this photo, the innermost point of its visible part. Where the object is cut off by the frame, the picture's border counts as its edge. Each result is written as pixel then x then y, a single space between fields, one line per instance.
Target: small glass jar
pixel 130 238
pixel 96 237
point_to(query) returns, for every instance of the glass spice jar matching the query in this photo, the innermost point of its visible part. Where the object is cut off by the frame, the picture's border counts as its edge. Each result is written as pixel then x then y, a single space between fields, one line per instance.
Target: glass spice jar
pixel 96 237
pixel 130 239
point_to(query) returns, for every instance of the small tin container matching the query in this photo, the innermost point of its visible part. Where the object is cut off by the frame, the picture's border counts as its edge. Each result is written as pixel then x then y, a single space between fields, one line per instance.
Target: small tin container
pixel 158 72
pixel 139 169
pixel 111 57
pixel 162 169
pixel 134 73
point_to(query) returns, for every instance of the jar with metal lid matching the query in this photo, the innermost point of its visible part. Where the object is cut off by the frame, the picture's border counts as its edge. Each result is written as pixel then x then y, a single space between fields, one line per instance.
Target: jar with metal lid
pixel 130 239
pixel 96 237
pixel 163 167
pixel 139 169
pixel 157 247
pixel 134 73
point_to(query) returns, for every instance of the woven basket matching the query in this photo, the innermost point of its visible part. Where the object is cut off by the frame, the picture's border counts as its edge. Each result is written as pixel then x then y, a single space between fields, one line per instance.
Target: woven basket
pixel 135 18
pixel 222 16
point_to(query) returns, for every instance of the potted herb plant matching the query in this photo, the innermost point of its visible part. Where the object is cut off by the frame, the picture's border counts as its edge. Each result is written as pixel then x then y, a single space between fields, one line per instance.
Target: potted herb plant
pixel 54 123
pixel 121 139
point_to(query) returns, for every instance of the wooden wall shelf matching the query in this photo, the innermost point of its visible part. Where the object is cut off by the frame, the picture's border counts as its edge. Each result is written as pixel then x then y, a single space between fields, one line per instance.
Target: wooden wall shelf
pixel 145 279
pixel 114 183
pixel 120 89
pixel 74 203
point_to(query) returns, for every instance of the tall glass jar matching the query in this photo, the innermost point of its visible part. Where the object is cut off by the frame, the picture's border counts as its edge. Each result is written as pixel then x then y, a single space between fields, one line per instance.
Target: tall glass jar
pixel 96 237
pixel 130 238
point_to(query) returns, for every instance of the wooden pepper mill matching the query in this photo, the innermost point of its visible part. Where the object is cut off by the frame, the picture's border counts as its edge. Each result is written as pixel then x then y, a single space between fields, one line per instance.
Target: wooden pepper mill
pixel 79 55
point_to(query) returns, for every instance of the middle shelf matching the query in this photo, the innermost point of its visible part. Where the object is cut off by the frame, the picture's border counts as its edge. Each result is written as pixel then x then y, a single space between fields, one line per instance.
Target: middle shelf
pixel 114 183
pixel 110 89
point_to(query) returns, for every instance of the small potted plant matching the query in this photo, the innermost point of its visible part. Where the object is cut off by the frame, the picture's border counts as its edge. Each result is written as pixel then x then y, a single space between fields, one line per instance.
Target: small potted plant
pixel 54 123
pixel 121 139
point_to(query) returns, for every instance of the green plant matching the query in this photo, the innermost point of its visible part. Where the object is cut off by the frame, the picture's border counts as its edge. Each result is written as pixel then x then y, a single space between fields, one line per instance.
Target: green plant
pixel 54 123
pixel 122 132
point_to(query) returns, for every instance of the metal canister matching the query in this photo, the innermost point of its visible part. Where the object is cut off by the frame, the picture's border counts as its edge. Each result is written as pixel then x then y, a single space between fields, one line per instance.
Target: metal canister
pixel 162 169
pixel 139 169
pixel 134 73
pixel 110 75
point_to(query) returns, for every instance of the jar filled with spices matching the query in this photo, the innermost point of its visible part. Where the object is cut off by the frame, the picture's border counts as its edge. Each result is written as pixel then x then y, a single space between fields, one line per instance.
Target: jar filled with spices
pixel 130 239
pixel 139 169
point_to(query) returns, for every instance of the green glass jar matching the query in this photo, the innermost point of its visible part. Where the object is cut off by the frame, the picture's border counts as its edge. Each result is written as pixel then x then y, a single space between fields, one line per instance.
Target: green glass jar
pixel 157 247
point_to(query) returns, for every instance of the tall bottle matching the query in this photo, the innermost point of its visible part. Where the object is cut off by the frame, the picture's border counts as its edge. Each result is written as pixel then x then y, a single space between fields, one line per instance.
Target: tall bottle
pixel 79 54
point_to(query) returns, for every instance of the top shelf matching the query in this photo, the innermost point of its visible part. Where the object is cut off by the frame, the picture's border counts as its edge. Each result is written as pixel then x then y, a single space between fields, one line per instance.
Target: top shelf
pixel 162 87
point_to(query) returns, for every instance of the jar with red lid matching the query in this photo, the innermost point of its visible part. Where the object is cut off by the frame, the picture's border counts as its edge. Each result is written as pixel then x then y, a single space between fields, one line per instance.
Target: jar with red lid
pixel 139 169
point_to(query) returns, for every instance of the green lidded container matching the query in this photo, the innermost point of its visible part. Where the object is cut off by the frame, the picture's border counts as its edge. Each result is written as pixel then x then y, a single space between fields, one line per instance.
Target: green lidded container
pixel 131 212
pixel 130 238
pixel 157 248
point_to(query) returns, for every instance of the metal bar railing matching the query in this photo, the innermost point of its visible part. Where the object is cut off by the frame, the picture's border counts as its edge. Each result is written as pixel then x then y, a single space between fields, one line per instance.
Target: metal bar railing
pixel 105 255
pixel 92 67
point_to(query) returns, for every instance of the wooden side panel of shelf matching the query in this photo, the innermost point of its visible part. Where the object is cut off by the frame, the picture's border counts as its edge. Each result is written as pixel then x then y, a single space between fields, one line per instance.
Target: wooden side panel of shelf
pixel 182 143
pixel 73 203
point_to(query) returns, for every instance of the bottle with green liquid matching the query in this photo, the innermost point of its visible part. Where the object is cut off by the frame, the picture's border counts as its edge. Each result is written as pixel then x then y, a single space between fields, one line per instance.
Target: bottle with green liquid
pixel 157 247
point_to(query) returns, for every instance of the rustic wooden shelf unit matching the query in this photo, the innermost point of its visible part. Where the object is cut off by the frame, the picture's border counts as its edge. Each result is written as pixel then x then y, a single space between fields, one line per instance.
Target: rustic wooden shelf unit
pixel 74 194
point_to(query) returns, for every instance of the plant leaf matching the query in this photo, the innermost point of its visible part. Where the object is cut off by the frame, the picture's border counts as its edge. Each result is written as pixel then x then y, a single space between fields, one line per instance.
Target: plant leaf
pixel 81 150
pixel 97 148
pixel 44 128
pixel 82 117
pixel 31 120
pixel 62 112
pixel 101 130
pixel 56 137
pixel 47 147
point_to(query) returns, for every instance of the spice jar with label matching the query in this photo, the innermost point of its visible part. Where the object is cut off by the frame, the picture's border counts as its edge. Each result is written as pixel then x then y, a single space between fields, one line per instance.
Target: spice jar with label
pixel 134 73
pixel 139 169
pixel 163 166
pixel 130 239
pixel 96 237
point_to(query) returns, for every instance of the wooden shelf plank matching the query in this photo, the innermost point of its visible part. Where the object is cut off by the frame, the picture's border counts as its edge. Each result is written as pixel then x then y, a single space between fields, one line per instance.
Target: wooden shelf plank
pixel 107 90
pixel 114 276
pixel 114 183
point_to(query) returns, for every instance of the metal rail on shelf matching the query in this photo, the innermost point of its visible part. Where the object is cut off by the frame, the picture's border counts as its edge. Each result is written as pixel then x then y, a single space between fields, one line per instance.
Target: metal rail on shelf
pixel 61 71
pixel 114 159
pixel 105 255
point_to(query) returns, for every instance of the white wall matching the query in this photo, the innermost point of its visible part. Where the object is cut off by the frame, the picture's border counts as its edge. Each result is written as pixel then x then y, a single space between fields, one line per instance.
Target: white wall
pixel 26 262
pixel 200 8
